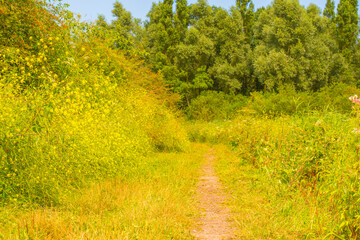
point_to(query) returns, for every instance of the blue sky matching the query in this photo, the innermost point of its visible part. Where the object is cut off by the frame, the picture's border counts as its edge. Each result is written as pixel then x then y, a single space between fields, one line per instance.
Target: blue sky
pixel 89 9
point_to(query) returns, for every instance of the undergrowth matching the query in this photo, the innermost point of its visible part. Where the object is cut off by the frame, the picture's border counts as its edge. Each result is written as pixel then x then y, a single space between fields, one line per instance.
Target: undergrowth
pixel 306 166
pixel 216 106
pixel 73 110
pixel 154 200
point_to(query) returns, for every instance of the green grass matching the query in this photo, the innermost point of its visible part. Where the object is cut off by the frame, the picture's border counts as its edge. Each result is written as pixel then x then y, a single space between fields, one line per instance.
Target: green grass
pixel 259 212
pixel 153 201
pixel 291 177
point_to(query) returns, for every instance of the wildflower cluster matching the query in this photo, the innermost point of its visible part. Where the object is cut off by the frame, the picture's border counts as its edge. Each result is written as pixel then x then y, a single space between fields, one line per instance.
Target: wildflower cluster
pixel 354 99
pixel 69 114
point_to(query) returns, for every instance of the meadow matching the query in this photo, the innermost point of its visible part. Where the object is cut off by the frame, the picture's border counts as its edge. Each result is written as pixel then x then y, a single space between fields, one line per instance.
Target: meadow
pixel 81 128
pixel 291 177
pixel 153 201
pixel 96 144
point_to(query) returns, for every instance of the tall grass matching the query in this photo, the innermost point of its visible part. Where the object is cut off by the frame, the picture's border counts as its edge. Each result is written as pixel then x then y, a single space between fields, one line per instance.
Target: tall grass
pixel 309 160
pixel 154 200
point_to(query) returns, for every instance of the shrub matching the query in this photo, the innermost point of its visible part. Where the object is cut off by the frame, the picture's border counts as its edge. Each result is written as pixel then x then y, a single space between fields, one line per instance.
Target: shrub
pixel 72 109
pixel 289 102
pixel 212 105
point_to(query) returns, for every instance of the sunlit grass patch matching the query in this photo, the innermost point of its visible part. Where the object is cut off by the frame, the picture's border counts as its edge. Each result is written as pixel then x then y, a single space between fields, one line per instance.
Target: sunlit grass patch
pixel 259 211
pixel 153 201
pixel 297 176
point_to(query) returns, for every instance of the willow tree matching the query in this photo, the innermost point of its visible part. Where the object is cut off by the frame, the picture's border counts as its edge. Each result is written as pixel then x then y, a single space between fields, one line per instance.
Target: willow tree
pixel 297 47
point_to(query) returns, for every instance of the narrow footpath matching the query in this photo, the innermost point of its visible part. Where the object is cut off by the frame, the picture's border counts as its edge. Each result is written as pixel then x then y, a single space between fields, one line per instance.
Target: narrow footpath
pixel 214 220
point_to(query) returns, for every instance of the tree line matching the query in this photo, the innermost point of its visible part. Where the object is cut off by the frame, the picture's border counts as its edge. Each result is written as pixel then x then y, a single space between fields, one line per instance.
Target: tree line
pixel 198 47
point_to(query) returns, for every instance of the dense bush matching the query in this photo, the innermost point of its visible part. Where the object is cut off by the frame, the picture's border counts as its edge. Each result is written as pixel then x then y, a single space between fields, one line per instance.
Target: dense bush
pixel 73 109
pixel 212 105
pixel 287 101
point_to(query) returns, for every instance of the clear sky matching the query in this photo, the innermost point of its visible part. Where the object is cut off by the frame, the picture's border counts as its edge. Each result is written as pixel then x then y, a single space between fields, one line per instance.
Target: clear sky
pixel 90 9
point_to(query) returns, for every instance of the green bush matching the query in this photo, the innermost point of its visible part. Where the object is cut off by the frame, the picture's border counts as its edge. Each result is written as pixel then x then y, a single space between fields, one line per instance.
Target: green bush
pixel 335 98
pixel 212 105
pixel 73 109
pixel 287 101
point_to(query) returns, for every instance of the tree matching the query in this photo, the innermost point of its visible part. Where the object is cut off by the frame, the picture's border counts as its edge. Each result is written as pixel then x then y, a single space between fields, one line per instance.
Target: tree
pixel 329 10
pixel 195 54
pixel 166 19
pixel 347 26
pixel 246 8
pixel 125 28
pixel 181 19
pixel 232 70
pixel 295 46
pixel 101 21
pixel 160 37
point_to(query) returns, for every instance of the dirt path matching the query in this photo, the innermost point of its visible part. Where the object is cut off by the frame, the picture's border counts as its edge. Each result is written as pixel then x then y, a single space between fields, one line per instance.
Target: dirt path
pixel 213 222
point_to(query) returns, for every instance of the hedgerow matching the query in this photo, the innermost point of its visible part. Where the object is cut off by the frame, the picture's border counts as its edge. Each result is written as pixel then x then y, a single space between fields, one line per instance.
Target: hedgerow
pixel 72 109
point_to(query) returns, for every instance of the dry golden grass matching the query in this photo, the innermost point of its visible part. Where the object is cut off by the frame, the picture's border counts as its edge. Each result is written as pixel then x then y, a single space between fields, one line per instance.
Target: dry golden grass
pixel 154 202
pixel 259 212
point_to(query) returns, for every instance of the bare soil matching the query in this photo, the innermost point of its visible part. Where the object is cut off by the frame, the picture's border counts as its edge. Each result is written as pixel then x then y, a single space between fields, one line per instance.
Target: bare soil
pixel 214 222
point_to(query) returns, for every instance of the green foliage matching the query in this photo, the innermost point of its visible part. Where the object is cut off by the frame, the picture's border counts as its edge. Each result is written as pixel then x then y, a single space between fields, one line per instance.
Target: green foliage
pixel 329 10
pixel 296 47
pixel 209 50
pixel 160 37
pixel 124 32
pixel 286 102
pixel 73 110
pixel 202 80
pixel 289 102
pixel 246 8
pixel 125 28
pixel 233 63
pixel 243 51
pixel 181 19
pixel 311 158
pixel 335 98
pixel 347 26
pixel 211 105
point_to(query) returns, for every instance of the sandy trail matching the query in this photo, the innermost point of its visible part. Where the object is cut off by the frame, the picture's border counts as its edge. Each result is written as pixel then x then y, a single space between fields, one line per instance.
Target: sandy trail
pixel 214 223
